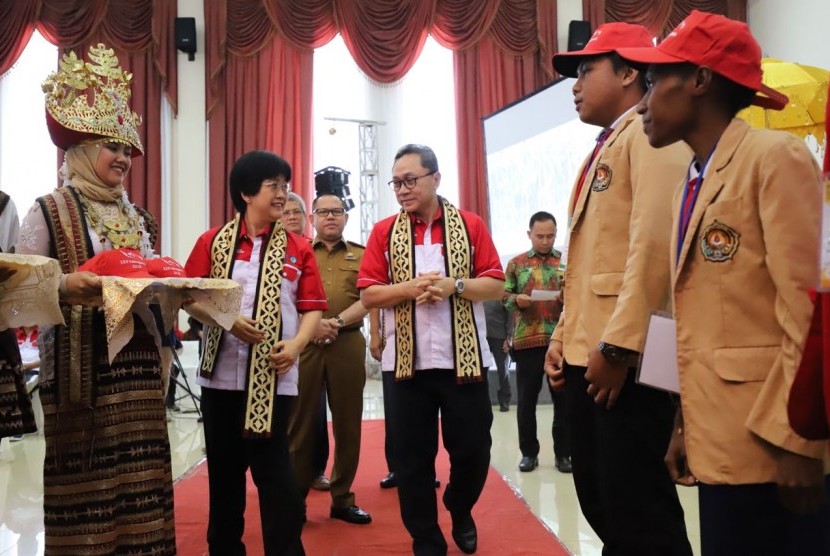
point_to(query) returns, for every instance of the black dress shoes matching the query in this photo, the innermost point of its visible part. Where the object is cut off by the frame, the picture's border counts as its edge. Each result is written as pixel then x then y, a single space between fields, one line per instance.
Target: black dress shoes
pixel 564 464
pixel 352 514
pixel 528 464
pixel 464 533
pixel 390 481
pixel 504 408
pixel 321 482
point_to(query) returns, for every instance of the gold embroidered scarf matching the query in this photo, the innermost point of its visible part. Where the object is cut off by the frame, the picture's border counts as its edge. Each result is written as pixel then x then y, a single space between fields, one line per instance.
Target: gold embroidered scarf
pixel 458 264
pixel 261 381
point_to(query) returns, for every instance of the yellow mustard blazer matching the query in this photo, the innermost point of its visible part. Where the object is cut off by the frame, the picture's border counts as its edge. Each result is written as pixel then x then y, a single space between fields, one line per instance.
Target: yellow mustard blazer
pixel 740 296
pixel 617 270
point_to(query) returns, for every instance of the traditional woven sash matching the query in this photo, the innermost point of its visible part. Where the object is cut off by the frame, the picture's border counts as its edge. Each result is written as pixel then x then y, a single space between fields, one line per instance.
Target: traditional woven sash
pixel 458 264
pixel 262 380
pixel 74 342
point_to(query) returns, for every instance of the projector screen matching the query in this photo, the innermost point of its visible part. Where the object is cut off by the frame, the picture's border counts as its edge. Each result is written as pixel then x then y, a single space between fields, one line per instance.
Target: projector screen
pixel 534 148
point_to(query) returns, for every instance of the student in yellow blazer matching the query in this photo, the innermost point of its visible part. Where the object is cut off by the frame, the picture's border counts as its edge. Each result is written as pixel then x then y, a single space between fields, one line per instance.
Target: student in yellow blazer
pixel 745 246
pixel 617 274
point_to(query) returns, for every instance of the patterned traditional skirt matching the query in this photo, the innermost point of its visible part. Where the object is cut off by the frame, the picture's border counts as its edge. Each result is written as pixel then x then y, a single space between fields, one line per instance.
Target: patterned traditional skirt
pixel 16 416
pixel 107 477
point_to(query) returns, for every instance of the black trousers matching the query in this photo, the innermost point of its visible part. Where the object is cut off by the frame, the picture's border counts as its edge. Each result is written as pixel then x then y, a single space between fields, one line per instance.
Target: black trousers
pixel 466 416
pixel 737 520
pixel 530 375
pixel 321 438
pixel 229 455
pixel 388 378
pixel 496 347
pixel 621 480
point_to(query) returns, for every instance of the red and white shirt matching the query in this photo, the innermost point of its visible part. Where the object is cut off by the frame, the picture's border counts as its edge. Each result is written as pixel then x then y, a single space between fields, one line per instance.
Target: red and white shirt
pixel 433 329
pixel 301 291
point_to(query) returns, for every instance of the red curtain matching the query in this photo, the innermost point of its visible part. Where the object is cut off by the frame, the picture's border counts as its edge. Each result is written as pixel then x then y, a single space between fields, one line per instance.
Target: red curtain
pixel 258 88
pixel 511 61
pixel 142 34
pixel 659 16
pixel 503 50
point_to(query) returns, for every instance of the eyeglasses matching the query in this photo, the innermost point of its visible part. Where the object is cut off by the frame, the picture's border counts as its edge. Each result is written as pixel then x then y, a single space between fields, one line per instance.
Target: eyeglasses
pixel 323 213
pixel 274 184
pixel 292 212
pixel 409 182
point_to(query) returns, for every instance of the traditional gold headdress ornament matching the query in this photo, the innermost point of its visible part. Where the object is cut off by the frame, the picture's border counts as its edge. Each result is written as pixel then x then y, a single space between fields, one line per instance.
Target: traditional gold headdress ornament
pixel 87 101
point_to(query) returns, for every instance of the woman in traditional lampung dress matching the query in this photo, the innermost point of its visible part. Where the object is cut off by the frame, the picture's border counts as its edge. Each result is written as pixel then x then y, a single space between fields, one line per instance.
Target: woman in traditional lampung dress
pixel 107 475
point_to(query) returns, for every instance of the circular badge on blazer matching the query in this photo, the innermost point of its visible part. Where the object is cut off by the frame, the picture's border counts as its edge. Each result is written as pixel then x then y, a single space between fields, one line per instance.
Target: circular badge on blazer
pixel 602 177
pixel 719 242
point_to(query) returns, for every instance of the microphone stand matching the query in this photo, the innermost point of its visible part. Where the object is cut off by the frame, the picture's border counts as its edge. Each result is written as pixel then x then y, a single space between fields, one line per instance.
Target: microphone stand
pixel 168 340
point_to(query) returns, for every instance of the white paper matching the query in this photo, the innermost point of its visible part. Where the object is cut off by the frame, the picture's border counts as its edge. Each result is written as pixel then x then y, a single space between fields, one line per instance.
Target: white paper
pixel 544 295
pixel 658 367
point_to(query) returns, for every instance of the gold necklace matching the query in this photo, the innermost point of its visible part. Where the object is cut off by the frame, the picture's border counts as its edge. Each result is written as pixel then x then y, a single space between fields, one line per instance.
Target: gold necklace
pixel 111 221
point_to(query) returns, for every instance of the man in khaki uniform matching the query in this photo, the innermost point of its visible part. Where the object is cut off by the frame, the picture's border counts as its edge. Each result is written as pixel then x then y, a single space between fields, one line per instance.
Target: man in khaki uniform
pixel 617 274
pixel 336 358
pixel 294 220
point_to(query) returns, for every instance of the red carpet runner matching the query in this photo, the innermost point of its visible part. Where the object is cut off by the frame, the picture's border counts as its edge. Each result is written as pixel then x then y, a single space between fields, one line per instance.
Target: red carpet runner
pixel 505 524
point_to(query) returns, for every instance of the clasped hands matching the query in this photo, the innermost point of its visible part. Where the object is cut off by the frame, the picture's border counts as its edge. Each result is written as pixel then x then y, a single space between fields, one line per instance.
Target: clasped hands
pixel 326 332
pixel 283 354
pixel 429 287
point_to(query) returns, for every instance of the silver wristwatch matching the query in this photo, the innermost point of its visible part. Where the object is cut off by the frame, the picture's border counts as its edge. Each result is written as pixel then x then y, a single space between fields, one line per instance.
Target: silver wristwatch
pixel 459 286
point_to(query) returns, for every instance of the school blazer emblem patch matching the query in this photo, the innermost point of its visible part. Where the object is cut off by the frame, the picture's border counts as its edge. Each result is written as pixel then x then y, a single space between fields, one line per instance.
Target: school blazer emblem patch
pixel 719 242
pixel 602 177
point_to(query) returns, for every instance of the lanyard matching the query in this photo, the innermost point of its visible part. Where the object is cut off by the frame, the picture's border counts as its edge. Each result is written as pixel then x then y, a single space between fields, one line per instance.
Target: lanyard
pixel 693 187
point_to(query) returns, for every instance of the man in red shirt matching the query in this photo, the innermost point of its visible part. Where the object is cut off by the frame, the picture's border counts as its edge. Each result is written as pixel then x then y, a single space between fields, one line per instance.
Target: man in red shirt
pixel 430 267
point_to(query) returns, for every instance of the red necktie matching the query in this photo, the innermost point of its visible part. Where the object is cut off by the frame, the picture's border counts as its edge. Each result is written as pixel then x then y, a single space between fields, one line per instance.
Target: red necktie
pixel 689 199
pixel 689 205
pixel 603 135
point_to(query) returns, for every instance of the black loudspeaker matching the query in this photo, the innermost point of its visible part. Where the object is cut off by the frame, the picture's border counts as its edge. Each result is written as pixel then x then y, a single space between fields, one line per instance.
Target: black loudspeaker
pixel 186 36
pixel 579 33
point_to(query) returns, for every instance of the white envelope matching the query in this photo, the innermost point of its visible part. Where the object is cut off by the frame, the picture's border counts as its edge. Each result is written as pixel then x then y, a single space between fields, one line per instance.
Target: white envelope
pixel 544 295
pixel 658 366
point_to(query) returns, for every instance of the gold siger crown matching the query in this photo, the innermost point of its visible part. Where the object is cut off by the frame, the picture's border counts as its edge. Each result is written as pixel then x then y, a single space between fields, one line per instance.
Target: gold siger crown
pixel 73 119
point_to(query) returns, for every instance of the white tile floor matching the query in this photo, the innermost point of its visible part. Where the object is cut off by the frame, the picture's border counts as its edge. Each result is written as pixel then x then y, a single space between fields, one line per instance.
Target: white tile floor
pixel 549 494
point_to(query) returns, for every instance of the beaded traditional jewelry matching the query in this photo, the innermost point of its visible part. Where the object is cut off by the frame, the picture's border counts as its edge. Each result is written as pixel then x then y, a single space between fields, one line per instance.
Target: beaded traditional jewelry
pixel 113 222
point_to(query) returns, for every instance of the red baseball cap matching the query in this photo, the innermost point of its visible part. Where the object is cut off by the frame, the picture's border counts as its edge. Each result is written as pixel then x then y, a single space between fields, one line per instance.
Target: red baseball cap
pixel 126 263
pixel 609 37
pixel 166 267
pixel 724 45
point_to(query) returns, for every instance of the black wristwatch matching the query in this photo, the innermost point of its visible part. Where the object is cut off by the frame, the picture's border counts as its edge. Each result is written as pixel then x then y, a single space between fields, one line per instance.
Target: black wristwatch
pixel 615 354
pixel 339 320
